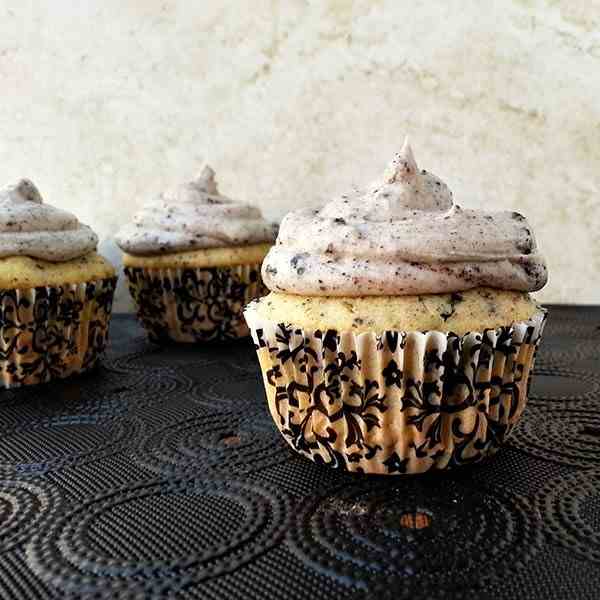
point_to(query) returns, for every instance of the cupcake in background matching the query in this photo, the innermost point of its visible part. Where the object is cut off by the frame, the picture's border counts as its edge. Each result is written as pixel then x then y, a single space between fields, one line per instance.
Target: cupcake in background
pixel 399 336
pixel 192 258
pixel 56 292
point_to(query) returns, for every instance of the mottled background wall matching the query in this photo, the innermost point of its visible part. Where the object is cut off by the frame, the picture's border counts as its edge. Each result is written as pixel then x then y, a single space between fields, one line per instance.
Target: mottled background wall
pixel 104 103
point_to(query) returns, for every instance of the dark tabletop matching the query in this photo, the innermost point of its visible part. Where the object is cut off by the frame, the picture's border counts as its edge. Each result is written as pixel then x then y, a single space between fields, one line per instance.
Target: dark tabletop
pixel 161 473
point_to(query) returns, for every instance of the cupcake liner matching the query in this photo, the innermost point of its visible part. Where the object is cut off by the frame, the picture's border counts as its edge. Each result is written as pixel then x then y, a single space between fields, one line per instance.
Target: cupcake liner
pixel 194 304
pixel 395 402
pixel 51 332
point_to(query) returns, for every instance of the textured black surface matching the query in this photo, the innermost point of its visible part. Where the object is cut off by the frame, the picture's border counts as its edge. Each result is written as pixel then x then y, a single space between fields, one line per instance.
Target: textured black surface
pixel 162 474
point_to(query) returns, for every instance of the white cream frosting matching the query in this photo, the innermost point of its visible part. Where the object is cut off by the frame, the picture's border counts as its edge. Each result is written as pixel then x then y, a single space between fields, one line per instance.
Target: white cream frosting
pixel 28 227
pixel 193 216
pixel 403 236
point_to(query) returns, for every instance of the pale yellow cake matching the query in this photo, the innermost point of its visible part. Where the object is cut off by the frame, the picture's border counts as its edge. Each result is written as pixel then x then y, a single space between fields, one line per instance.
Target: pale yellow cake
pixel 205 257
pixel 24 272
pixel 459 312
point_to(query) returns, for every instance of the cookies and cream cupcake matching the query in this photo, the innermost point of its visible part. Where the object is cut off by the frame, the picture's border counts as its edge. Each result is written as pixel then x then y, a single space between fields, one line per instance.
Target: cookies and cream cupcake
pixel 192 257
pixel 56 292
pixel 400 335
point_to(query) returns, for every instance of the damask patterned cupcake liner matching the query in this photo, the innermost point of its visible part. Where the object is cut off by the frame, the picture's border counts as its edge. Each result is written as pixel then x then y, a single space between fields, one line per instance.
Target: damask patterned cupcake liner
pixel 396 402
pixel 52 332
pixel 194 304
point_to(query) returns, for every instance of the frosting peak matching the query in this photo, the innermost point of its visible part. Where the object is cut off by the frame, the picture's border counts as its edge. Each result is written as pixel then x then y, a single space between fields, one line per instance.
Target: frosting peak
pixel 206 181
pixel 403 191
pixel 28 227
pixel 24 191
pixel 408 189
pixel 403 167
pixel 403 236
pixel 201 189
pixel 192 216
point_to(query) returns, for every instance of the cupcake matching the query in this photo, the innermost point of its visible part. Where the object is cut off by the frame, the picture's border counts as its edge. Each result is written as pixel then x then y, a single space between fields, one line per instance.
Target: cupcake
pixel 56 292
pixel 399 335
pixel 192 258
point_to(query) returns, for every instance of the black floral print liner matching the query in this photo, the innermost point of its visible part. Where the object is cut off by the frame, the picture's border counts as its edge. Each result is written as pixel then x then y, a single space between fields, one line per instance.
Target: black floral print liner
pixel 396 402
pixel 52 332
pixel 194 305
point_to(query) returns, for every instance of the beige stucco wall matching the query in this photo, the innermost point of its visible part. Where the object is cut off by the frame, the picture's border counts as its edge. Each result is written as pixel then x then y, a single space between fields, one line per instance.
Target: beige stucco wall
pixel 106 102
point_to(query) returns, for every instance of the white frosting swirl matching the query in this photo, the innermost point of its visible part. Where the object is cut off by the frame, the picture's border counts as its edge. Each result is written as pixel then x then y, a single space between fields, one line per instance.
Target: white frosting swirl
pixel 193 216
pixel 404 236
pixel 30 228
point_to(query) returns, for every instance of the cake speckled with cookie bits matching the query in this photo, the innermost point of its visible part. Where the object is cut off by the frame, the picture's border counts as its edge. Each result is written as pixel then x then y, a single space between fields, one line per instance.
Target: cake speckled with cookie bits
pixel 56 291
pixel 192 259
pixel 400 334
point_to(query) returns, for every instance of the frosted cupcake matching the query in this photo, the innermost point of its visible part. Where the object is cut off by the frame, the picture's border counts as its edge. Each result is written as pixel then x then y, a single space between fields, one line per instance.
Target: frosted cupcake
pixel 192 259
pixel 56 292
pixel 399 336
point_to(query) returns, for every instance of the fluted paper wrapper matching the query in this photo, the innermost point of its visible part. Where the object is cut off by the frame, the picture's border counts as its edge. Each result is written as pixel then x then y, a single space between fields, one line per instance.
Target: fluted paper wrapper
pixel 194 304
pixel 395 402
pixel 52 332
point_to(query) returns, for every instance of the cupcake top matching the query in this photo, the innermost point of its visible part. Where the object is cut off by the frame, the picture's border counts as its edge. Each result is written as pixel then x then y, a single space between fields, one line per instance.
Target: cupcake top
pixel 404 236
pixel 28 227
pixel 194 216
